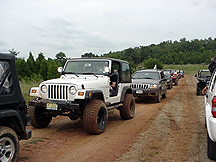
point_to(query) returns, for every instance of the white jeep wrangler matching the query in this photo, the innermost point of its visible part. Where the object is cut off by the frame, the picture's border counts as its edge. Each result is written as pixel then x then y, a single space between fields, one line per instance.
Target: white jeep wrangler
pixel 84 91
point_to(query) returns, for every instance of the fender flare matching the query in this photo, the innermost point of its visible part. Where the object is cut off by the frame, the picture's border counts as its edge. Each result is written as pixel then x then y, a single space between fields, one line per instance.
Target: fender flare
pixel 126 90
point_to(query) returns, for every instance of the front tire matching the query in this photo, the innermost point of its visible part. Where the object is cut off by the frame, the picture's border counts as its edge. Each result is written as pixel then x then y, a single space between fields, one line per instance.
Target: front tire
pixel 128 108
pixel 211 151
pixel 39 117
pixel 95 117
pixel 9 144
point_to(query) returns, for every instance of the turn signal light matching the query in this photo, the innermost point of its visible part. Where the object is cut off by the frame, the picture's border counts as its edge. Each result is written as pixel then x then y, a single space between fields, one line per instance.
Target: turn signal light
pixel 80 93
pixel 33 91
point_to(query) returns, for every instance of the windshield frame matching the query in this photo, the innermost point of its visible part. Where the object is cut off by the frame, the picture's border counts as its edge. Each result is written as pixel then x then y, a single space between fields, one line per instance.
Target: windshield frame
pixel 87 66
pixel 146 75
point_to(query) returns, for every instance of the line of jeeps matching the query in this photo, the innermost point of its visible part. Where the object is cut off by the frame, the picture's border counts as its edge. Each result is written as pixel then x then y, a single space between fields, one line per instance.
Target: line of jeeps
pixel 153 83
pixel 87 89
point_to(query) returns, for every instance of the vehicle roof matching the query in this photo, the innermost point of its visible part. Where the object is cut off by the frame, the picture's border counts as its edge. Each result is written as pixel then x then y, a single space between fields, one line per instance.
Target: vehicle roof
pixel 7 56
pixel 98 58
pixel 204 70
pixel 149 70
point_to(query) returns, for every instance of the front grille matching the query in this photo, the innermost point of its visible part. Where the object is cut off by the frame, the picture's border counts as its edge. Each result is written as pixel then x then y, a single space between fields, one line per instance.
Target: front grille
pixel 140 86
pixel 58 92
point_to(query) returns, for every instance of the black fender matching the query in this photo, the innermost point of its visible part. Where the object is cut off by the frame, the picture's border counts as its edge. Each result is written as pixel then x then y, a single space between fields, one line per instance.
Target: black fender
pixel 126 90
pixel 91 94
pixel 12 119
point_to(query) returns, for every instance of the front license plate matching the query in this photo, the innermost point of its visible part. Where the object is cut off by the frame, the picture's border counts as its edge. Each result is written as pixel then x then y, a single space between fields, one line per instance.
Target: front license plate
pixel 139 92
pixel 52 106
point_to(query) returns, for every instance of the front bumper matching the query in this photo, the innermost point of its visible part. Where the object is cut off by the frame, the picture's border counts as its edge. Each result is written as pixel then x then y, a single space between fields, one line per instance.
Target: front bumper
pixel 61 104
pixel 145 93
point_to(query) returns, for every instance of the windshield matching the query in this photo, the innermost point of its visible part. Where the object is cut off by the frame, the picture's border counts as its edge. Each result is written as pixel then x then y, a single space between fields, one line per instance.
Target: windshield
pixel 86 67
pixel 167 73
pixel 204 74
pixel 146 75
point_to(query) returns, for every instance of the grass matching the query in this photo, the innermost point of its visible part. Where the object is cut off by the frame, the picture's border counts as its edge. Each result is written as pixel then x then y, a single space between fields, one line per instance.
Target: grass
pixel 25 88
pixel 188 69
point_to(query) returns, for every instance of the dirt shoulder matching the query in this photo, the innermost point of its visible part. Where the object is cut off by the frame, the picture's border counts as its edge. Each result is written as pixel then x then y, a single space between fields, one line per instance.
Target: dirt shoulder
pixel 172 130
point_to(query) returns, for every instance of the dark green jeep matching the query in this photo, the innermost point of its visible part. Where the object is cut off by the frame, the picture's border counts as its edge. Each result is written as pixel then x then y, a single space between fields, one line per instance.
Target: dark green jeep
pixel 13 118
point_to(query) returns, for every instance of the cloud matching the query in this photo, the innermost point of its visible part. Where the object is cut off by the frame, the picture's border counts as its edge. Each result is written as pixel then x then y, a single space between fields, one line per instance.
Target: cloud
pixel 77 27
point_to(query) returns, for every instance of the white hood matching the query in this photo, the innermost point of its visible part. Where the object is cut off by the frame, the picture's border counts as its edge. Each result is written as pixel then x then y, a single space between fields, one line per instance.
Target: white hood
pixel 89 81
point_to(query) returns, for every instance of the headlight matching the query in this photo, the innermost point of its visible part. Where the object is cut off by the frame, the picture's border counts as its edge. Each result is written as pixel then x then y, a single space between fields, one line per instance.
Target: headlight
pixel 153 86
pixel 44 88
pixel 72 90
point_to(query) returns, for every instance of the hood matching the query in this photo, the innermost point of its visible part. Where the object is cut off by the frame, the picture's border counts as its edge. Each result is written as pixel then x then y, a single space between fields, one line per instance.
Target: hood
pixel 88 81
pixel 145 81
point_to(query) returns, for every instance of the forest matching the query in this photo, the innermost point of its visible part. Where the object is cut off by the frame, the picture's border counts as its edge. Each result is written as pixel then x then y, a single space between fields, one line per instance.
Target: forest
pixel 180 52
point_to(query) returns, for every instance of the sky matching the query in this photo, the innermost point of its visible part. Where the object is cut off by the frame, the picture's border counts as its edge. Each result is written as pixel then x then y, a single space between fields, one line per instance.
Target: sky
pixel 76 27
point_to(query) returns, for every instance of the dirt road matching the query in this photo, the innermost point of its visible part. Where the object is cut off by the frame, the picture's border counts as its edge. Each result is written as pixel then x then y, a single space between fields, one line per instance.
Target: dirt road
pixel 172 130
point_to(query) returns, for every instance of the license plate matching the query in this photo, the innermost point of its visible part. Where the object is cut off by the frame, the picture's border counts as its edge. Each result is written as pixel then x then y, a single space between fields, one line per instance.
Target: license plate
pixel 139 92
pixel 52 106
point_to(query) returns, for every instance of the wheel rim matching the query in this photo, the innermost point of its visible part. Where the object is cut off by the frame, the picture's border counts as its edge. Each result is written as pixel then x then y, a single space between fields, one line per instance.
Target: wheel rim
pixel 7 149
pixel 101 118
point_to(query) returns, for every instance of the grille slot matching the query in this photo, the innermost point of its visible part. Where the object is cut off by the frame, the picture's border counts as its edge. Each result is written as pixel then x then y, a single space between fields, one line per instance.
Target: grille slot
pixel 58 92
pixel 140 86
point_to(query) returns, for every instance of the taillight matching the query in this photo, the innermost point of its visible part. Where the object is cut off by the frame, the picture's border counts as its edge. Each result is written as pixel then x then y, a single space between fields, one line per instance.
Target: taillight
pixel 214 106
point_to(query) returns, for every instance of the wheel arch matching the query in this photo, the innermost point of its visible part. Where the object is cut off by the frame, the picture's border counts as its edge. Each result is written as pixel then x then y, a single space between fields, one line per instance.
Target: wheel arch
pixel 11 118
pixel 126 90
pixel 94 95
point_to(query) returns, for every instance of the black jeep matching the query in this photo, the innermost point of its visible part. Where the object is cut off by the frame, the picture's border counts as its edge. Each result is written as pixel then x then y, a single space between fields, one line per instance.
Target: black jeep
pixel 13 118
pixel 203 77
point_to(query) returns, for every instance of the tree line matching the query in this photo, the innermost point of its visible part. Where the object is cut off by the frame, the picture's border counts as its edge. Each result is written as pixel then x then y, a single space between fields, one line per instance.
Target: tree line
pixel 167 52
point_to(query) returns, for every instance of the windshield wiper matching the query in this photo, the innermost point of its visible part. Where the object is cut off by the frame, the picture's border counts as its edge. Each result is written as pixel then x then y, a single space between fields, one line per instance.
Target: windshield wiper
pixel 91 74
pixel 148 78
pixel 70 73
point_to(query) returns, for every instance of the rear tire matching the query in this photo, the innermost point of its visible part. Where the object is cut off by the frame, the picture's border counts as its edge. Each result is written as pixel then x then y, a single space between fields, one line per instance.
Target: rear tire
pixel 158 98
pixel 9 144
pixel 39 117
pixel 164 95
pixel 128 108
pixel 95 117
pixel 211 148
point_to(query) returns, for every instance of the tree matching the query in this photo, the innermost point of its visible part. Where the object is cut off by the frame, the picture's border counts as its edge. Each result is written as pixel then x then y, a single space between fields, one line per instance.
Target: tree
pixel 52 70
pixel 12 51
pixel 88 55
pixel 61 57
pixel 31 63
pixel 22 68
pixel 150 63
pixel 43 69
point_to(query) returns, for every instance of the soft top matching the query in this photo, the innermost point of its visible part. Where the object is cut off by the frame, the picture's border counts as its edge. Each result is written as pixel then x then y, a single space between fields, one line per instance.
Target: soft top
pixel 7 56
pixel 98 58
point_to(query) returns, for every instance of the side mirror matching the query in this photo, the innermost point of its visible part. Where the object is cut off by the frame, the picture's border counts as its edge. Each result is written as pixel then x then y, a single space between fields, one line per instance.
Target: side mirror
pixel 60 69
pixel 107 70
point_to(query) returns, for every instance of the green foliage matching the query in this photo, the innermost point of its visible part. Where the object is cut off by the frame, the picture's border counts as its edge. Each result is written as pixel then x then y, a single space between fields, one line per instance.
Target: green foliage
pixel 167 52
pixel 26 85
pixel 12 51
pixel 150 63
pixel 52 70
pixel 182 52
pixel 61 57
pixel 88 55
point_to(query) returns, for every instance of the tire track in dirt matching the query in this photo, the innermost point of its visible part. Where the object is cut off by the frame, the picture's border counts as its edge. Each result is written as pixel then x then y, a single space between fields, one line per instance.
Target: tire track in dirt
pixel 172 130
pixel 178 132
